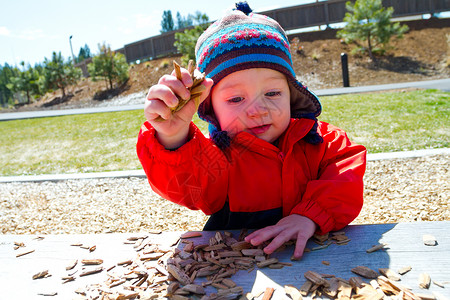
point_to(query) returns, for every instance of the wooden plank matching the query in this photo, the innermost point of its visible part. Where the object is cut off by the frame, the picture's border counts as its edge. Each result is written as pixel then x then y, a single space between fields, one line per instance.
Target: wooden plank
pixel 404 247
pixel 55 253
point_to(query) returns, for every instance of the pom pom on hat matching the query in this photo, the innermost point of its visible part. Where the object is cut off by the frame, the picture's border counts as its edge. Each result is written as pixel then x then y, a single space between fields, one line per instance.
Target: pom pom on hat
pixel 244 7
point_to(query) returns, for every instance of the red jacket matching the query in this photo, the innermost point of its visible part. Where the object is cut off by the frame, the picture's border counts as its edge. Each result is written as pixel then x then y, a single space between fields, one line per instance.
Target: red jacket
pixel 323 182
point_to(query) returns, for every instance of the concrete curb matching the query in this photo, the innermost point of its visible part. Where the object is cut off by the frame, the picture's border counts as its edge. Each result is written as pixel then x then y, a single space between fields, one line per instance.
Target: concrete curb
pixel 440 84
pixel 65 112
pixel 140 173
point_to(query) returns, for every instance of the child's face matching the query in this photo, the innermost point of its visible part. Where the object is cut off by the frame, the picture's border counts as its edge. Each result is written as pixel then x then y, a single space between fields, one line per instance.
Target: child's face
pixel 256 101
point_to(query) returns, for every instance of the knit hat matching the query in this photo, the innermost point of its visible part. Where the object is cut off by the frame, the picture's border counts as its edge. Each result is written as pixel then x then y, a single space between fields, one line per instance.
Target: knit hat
pixel 244 40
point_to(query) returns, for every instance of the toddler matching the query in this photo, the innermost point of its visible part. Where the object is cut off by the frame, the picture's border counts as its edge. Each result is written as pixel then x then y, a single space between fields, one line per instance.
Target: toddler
pixel 268 163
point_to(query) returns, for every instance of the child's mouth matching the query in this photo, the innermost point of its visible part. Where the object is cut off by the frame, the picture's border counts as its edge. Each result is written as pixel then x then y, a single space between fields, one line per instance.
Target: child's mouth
pixel 259 129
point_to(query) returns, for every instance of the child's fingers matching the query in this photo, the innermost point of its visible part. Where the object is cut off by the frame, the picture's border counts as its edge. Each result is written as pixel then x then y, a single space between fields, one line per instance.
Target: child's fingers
pixel 178 87
pixel 163 93
pixel 300 246
pixel 155 108
pixel 277 242
pixel 186 78
pixel 260 236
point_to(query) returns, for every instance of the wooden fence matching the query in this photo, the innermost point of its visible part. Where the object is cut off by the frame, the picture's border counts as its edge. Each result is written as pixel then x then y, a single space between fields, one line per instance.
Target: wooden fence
pixel 295 17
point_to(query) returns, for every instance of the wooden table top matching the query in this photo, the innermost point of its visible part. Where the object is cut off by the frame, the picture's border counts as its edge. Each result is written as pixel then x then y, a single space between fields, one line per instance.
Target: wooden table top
pixel 404 247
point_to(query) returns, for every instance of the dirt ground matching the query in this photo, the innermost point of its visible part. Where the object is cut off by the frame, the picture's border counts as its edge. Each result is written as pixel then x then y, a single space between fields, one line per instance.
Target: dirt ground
pixel 422 54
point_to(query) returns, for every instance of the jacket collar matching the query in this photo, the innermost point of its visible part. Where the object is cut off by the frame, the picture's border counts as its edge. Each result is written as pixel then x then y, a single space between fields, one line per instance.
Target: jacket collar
pixel 297 130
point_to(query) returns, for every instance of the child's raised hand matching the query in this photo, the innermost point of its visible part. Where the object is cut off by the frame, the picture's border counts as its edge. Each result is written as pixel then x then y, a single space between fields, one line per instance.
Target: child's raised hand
pixel 293 227
pixel 173 131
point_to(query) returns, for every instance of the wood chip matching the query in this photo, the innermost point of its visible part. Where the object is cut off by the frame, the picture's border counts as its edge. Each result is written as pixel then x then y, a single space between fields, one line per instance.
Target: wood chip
pixel 292 292
pixel 172 288
pixel 179 297
pixel 72 265
pixel 429 240
pixel 321 238
pixel 195 289
pixel 48 294
pixel 267 262
pixel 88 262
pixel 424 281
pixel 151 256
pixel 220 286
pixel 178 274
pixel 423 296
pixel 125 262
pixel 232 293
pixel 439 284
pixel 316 278
pixel 368 292
pixel 93 271
pixel 18 245
pixel 332 289
pixel 365 272
pixel 42 274
pixel 376 248
pixel 230 254
pixel 355 282
pixel 321 247
pixel 391 274
pixel 191 234
pixel 67 279
pixel 228 282
pixel 276 266
pixel 268 293
pixel 395 288
pixel 24 253
pixel 241 245
pixel 306 287
pixel 345 290
pixel 404 270
pixel 252 252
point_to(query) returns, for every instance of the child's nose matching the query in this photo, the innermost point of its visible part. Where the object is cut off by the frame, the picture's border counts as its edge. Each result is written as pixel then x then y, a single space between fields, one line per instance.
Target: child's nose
pixel 257 109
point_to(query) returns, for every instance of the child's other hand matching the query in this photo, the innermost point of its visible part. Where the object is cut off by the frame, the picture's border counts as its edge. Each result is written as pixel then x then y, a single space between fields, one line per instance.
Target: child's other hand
pixel 293 227
pixel 174 130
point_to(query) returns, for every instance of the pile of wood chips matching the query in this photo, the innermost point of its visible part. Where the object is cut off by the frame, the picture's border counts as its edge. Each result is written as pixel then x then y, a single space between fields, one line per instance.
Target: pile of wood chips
pixel 185 273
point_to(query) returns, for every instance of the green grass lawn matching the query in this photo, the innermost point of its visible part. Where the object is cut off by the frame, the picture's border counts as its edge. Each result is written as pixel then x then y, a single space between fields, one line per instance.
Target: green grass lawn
pixel 383 122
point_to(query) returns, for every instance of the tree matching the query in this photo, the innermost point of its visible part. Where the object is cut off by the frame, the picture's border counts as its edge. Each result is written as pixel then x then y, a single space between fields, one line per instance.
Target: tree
pixel 185 41
pixel 183 22
pixel 109 65
pixel 167 22
pixel 84 53
pixel 26 81
pixel 6 73
pixel 59 74
pixel 369 26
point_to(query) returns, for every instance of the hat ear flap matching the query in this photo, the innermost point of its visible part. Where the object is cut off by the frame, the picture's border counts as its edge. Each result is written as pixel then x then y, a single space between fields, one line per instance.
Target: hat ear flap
pixel 303 103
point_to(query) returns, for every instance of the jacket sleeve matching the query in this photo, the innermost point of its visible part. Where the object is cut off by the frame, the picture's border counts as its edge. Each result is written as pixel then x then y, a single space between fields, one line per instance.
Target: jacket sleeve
pixel 335 197
pixel 195 175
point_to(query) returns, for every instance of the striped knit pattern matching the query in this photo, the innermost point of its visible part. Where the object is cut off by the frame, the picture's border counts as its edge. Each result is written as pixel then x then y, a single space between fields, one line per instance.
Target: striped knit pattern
pixel 238 42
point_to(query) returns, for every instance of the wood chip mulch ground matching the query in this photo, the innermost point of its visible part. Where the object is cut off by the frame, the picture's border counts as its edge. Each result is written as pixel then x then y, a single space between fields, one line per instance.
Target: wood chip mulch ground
pixel 398 190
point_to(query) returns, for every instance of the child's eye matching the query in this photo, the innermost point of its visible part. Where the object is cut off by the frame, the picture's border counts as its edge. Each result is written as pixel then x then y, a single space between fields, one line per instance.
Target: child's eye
pixel 235 100
pixel 273 94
